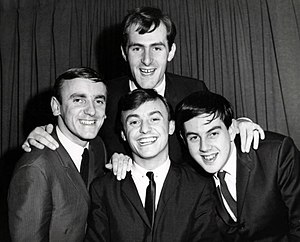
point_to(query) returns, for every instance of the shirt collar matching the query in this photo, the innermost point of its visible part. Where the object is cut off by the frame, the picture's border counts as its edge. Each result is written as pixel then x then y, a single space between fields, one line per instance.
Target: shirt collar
pixel 160 88
pixel 160 171
pixel 74 150
pixel 230 166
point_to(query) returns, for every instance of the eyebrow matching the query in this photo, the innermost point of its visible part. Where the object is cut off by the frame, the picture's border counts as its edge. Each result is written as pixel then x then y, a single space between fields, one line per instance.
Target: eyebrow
pixel 137 116
pixel 208 131
pixel 74 95
pixel 141 45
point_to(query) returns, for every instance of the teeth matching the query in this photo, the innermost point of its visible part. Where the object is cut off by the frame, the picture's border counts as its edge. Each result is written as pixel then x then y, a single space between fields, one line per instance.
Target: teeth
pixel 87 122
pixel 144 141
pixel 147 70
pixel 209 157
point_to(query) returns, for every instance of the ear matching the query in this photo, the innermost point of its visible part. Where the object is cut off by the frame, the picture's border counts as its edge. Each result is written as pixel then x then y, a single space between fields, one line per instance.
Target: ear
pixel 55 106
pixel 232 130
pixel 171 127
pixel 123 135
pixel 172 52
pixel 182 137
pixel 123 53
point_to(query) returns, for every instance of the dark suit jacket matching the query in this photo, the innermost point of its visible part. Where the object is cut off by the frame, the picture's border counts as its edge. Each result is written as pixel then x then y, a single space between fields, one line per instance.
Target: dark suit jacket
pixel 268 193
pixel 177 87
pixel 184 212
pixel 48 200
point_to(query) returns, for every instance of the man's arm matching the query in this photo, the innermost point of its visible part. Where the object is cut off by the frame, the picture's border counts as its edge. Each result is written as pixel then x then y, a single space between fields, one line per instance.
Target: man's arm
pixel 29 205
pixel 40 137
pixel 98 224
pixel 289 183
pixel 205 225
pixel 249 132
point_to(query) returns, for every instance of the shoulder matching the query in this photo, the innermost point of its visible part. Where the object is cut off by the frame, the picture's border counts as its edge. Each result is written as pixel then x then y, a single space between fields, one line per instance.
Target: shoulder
pixel 190 175
pixel 185 80
pixel 117 81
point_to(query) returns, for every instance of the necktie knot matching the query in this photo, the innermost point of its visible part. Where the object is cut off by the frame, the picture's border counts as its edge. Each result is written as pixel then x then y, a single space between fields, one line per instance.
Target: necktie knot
pixel 221 175
pixel 150 175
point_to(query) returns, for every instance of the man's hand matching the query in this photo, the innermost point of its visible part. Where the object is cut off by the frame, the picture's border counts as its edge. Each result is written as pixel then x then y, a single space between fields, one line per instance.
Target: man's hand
pixel 249 132
pixel 120 164
pixel 40 137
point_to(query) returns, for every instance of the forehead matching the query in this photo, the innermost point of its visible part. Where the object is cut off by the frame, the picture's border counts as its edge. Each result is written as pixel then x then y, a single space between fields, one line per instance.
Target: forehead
pixel 147 109
pixel 159 34
pixel 203 123
pixel 83 86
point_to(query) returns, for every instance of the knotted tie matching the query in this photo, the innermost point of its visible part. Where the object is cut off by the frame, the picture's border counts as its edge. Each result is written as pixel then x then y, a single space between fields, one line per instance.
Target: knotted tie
pixel 226 194
pixel 150 197
pixel 84 167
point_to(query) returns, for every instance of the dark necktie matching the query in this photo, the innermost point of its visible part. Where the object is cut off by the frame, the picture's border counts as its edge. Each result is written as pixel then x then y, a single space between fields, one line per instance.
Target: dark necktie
pixel 84 167
pixel 225 192
pixel 150 197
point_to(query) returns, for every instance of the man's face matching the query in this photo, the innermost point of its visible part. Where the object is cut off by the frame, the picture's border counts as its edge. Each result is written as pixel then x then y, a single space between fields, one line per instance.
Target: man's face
pixel 147 129
pixel 82 110
pixel 209 143
pixel 147 55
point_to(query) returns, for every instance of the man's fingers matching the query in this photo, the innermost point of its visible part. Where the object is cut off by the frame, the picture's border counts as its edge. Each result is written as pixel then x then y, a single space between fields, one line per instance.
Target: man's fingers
pixel 26 146
pixel 33 142
pixel 49 128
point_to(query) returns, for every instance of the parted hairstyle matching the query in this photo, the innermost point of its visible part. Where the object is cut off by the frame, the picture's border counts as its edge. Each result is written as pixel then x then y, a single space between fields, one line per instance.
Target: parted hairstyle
pixel 203 102
pixel 72 73
pixel 144 18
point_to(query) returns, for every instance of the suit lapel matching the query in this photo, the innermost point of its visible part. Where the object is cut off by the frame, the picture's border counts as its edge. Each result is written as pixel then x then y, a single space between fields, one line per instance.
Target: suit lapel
pixel 170 92
pixel 130 191
pixel 244 168
pixel 71 170
pixel 170 185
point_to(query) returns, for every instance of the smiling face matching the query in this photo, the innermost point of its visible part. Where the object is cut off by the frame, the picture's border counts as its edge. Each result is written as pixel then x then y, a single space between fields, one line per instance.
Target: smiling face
pixel 209 141
pixel 147 55
pixel 81 112
pixel 146 130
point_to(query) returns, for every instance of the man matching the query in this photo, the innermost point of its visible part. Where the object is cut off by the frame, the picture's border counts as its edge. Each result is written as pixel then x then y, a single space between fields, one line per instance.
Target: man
pixel 48 195
pixel 183 204
pixel 259 198
pixel 147 45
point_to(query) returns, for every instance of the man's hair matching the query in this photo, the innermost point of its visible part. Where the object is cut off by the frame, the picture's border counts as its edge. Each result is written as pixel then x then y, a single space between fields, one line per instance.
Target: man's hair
pixel 136 98
pixel 203 102
pixel 144 18
pixel 79 72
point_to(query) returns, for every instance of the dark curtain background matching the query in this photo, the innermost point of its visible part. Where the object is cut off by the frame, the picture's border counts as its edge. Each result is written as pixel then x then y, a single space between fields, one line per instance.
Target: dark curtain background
pixel 246 50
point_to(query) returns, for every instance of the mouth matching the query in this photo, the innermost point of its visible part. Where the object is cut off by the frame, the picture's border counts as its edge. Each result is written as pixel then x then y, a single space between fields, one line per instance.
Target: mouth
pixel 147 71
pixel 87 122
pixel 147 141
pixel 209 158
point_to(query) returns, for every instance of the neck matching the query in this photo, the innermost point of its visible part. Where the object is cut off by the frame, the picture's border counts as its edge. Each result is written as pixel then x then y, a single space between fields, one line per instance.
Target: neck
pixel 150 163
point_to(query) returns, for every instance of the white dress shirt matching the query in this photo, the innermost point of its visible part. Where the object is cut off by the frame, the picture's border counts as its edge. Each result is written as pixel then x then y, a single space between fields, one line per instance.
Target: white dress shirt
pixel 230 179
pixel 141 181
pixel 74 150
pixel 160 88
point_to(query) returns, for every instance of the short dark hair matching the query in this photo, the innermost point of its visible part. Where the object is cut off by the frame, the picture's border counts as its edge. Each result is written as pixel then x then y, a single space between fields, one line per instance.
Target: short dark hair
pixel 144 18
pixel 137 97
pixel 203 102
pixel 72 73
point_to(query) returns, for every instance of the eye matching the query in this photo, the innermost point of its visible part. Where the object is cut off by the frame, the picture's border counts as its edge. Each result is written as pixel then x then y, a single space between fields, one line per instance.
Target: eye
pixel 157 48
pixel 100 101
pixel 135 48
pixel 79 100
pixel 155 119
pixel 213 134
pixel 193 138
pixel 134 123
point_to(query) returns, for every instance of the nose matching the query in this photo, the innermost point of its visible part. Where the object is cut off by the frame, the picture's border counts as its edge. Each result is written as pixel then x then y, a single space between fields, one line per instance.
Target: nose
pixel 90 109
pixel 145 127
pixel 204 145
pixel 147 57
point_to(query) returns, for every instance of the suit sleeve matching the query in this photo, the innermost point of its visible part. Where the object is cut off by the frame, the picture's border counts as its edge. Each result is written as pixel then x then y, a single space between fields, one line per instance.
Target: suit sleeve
pixel 205 225
pixel 97 222
pixel 29 205
pixel 289 183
